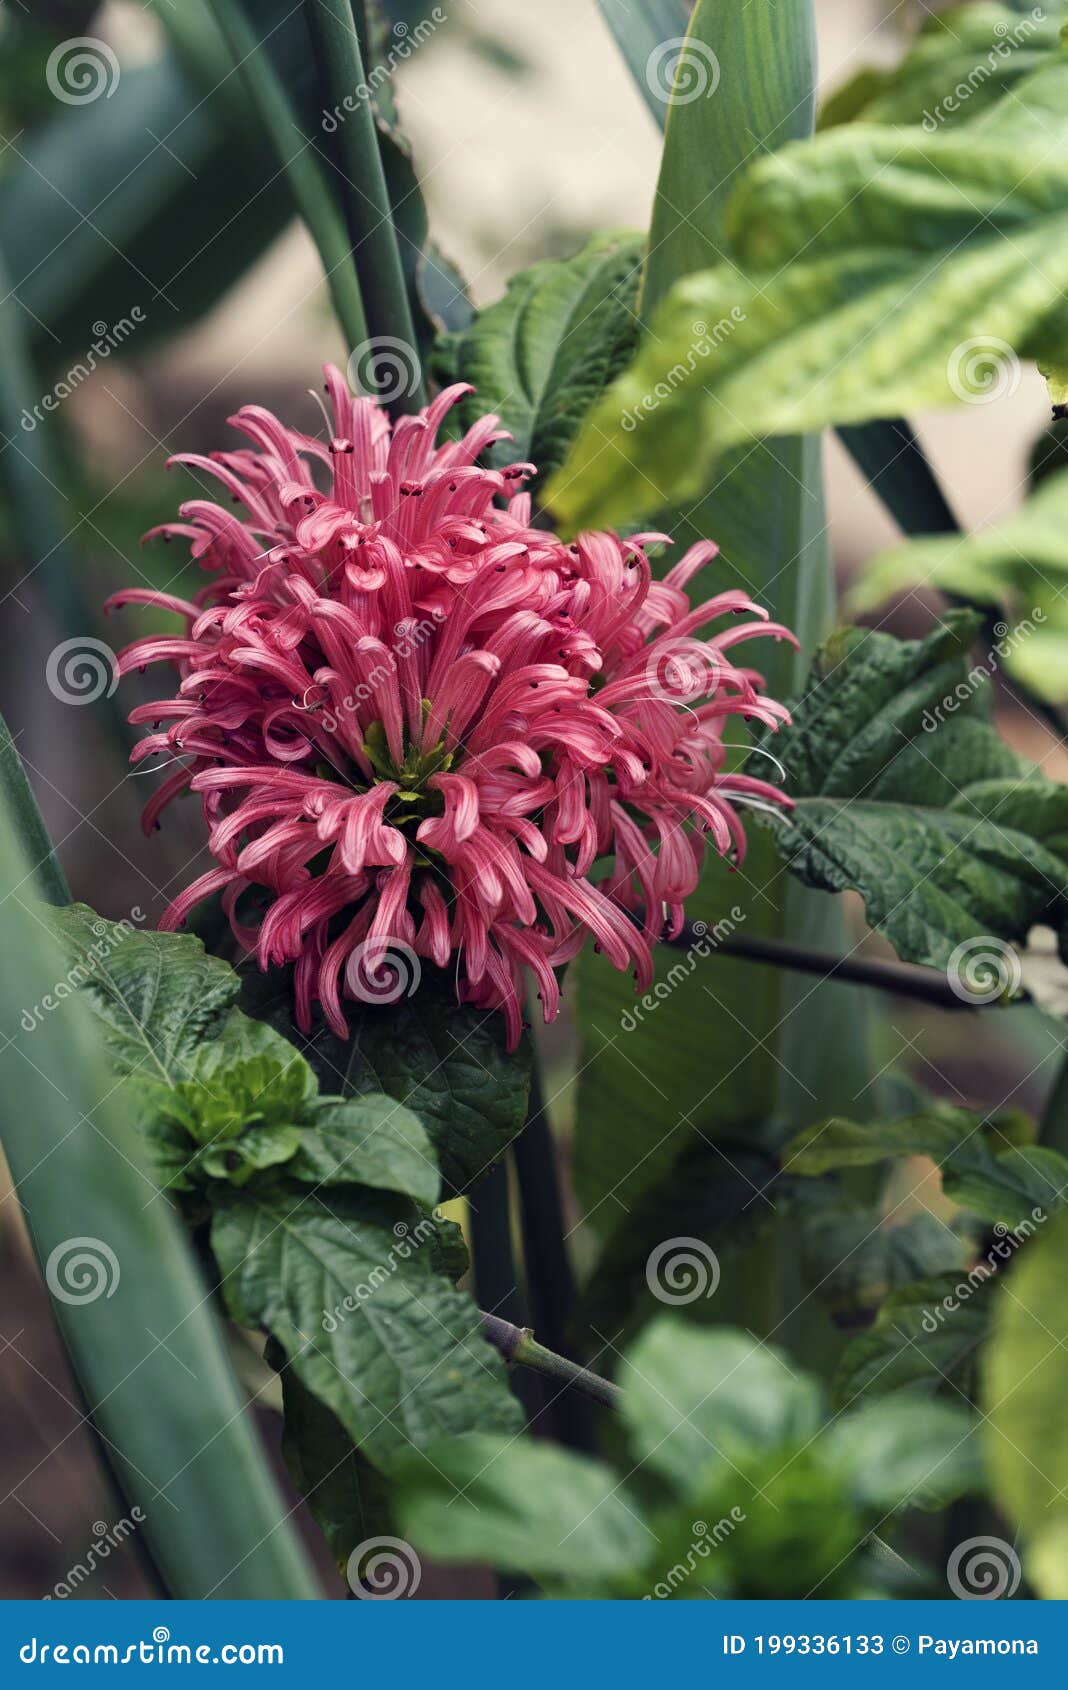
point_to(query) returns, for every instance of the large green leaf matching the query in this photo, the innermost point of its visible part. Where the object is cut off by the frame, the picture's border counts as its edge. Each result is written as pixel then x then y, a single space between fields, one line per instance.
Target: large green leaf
pixel 869 271
pixel 904 1451
pixel 545 352
pixel 963 59
pixel 445 1062
pixel 524 1507
pixel 698 1403
pixel 126 1292
pixel 1025 1384
pixel 1021 564
pixel 904 792
pixel 346 1284
pixel 982 1167
pixel 695 1065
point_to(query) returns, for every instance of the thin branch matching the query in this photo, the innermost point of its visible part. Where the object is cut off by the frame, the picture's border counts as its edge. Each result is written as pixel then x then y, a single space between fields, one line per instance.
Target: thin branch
pixel 518 1346
pixel 903 979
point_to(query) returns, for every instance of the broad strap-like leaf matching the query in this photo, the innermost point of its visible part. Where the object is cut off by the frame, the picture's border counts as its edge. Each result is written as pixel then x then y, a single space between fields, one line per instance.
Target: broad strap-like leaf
pixel 543 354
pixel 345 1282
pixel 904 792
pixel 866 270
pixel 649 34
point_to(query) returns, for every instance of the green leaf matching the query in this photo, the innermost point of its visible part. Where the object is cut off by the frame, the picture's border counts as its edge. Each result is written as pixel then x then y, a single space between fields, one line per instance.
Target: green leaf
pixel 904 1451
pixel 963 60
pixel 698 1403
pixel 544 353
pixel 866 269
pixel 644 32
pixel 982 1168
pixel 346 1284
pixel 853 1259
pixel 20 807
pixel 1020 564
pixel 1025 1382
pixel 347 1497
pixel 927 1333
pixel 904 792
pixel 896 467
pixel 128 1297
pixel 444 1061
pixel 523 1507
pixel 371 1140
pixel 157 996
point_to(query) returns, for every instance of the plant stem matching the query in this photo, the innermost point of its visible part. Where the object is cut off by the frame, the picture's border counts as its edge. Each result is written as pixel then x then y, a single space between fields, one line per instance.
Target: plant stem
pixel 302 170
pixel 904 979
pixel 518 1345
pixel 364 194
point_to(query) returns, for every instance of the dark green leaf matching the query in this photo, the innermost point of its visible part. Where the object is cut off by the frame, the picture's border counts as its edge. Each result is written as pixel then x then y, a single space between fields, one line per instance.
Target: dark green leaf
pixel 371 1140
pixel 346 1284
pixel 904 1451
pixel 927 1333
pixel 545 352
pixel 347 1497
pixel 852 1259
pixel 904 792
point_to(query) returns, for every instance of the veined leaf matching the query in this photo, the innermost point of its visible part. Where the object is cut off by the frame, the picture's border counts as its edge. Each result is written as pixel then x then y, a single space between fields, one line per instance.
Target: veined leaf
pixel 1021 564
pixel 443 1060
pixel 962 60
pixel 866 270
pixel 544 353
pixel 345 1283
pixel 927 1333
pixel 370 1140
pixel 981 1167
pixel 904 792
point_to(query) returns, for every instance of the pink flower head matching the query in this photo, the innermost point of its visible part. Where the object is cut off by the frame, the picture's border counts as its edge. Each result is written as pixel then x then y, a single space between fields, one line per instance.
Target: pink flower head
pixel 419 724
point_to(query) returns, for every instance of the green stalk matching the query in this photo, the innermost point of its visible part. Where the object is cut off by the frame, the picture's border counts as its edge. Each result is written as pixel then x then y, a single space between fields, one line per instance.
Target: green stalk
pixel 296 156
pixel 364 195
pixel 132 1307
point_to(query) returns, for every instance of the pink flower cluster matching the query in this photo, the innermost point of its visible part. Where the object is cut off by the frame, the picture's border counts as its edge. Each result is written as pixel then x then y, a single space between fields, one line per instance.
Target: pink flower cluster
pixel 419 724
